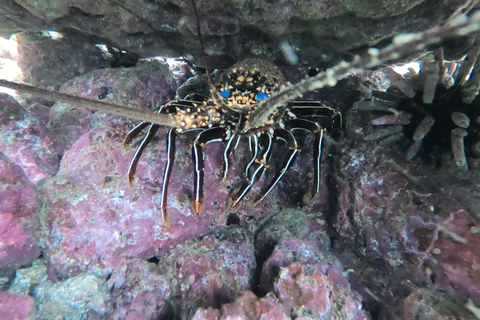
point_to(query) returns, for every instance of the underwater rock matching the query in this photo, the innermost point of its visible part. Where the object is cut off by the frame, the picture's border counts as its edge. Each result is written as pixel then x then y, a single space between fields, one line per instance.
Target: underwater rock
pixel 291 250
pixel 146 86
pixel 209 271
pixel 138 292
pixel 430 304
pixel 25 141
pixel 18 220
pixel 49 62
pixel 17 307
pixel 318 290
pixel 247 306
pixel 204 272
pixel 404 220
pixel 27 279
pixel 95 221
pixel 84 294
pixel 453 265
pixel 319 31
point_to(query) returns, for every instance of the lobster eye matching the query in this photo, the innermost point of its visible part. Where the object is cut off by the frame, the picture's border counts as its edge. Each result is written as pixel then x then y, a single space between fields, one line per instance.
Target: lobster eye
pixel 225 93
pixel 261 96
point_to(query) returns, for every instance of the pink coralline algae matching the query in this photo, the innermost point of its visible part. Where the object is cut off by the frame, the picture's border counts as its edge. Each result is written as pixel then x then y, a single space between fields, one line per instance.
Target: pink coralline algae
pixel 317 290
pixel 145 86
pixel 413 222
pixel 300 292
pixel 455 259
pixel 17 306
pixel 26 141
pixel 247 306
pixel 95 220
pixel 18 221
pixel 202 272
pixel 138 292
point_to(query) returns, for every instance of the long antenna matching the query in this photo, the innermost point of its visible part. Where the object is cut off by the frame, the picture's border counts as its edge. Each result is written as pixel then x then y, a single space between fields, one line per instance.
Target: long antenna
pixel 202 45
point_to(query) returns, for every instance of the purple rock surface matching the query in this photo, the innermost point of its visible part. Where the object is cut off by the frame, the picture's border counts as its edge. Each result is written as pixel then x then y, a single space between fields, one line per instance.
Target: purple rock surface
pixel 19 207
pixel 145 86
pixel 17 306
pixel 317 291
pixel 26 141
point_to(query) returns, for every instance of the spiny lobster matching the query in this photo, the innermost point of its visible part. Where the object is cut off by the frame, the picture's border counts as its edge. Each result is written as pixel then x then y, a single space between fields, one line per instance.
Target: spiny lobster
pixel 226 117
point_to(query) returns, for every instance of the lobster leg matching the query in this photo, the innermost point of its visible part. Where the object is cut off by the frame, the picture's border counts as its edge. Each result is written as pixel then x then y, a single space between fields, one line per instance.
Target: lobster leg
pixel 317 112
pixel 204 137
pixel 166 175
pixel 257 167
pixel 228 150
pixel 152 130
pixel 319 132
pixel 287 136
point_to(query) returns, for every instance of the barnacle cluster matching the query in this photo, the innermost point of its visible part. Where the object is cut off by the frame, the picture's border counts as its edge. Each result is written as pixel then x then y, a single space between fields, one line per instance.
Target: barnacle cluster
pixel 432 113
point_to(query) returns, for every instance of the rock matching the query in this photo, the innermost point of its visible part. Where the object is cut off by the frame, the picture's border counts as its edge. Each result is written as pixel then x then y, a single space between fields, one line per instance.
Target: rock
pixel 210 271
pixel 318 291
pixel 25 141
pixel 18 216
pixel 289 251
pixel 146 86
pixel 48 61
pixel 454 255
pixel 27 279
pixel 85 295
pixel 247 306
pixel 402 219
pixel 17 307
pixel 138 292
pixel 95 221
pixel 435 305
pixel 203 272
pixel 318 31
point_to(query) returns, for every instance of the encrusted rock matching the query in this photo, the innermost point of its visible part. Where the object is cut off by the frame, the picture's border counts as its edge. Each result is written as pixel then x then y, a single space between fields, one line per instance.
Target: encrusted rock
pixel 17 307
pixel 84 294
pixel 26 141
pixel 146 86
pixel 318 31
pixel 18 221
pixel 48 62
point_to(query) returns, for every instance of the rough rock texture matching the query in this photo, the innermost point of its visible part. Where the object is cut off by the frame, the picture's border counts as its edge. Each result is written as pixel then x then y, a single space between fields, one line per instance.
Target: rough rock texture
pixel 138 292
pixel 17 307
pixel 146 86
pixel 49 63
pixel 210 271
pixel 19 207
pixel 301 292
pixel 26 141
pixel 27 279
pixel 318 31
pixel 433 305
pixel 407 220
pixel 318 291
pixel 82 297
pixel 206 272
pixel 247 306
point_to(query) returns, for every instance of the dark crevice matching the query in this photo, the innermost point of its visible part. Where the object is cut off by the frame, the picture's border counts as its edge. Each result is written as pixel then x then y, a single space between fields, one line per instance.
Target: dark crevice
pixel 261 255
pixel 153 259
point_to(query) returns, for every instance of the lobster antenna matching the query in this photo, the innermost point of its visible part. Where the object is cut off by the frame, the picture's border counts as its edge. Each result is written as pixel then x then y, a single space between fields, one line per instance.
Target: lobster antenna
pixel 202 45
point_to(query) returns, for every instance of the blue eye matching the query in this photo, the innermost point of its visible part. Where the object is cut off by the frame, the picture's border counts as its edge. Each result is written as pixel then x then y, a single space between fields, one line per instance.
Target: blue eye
pixel 225 94
pixel 261 96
